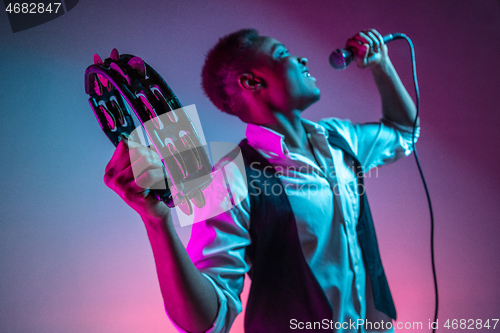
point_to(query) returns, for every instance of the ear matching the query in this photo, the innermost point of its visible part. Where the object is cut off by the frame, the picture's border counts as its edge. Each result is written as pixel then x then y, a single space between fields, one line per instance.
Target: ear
pixel 248 81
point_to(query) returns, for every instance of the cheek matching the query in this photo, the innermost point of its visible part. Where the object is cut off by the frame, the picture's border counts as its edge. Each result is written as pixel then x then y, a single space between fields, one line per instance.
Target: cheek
pixel 279 94
pixel 296 83
pixel 280 85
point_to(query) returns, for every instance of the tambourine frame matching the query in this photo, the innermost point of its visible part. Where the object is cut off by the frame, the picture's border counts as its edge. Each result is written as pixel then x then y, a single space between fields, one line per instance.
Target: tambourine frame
pixel 125 79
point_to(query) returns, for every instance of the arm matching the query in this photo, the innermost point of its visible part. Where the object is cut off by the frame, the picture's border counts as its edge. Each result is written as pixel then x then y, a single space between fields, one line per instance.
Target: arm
pixel 190 299
pixel 375 144
pixel 370 51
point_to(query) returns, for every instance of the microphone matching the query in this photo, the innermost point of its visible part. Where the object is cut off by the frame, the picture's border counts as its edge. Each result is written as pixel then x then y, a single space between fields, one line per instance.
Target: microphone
pixel 340 58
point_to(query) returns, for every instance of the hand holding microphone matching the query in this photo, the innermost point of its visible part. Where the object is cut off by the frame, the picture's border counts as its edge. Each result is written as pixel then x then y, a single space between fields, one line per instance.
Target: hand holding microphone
pixel 367 48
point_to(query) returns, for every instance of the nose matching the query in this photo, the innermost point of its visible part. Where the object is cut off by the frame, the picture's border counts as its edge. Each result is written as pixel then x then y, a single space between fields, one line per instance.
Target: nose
pixel 302 61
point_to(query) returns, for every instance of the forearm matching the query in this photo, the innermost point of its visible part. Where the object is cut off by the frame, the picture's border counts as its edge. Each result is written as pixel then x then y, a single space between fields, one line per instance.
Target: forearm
pixel 190 299
pixel 397 105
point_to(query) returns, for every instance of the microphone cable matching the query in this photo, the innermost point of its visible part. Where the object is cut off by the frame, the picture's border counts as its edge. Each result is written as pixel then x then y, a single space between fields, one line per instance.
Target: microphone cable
pixel 417 98
pixel 340 59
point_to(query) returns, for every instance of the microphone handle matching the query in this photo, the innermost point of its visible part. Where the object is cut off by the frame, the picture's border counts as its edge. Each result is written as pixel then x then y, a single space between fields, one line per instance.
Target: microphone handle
pixel 341 58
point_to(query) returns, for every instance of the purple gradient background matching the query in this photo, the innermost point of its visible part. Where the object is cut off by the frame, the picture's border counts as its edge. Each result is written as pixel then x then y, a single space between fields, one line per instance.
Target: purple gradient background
pixel 74 258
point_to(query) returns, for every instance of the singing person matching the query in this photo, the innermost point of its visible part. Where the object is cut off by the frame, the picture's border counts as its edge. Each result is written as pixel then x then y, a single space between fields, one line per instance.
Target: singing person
pixel 303 230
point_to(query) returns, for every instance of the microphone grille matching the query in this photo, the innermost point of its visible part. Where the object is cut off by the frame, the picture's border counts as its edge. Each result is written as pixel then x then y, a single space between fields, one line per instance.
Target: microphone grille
pixel 339 59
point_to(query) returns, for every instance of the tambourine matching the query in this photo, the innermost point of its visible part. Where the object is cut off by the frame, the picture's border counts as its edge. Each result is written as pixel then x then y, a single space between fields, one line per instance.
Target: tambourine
pixel 123 82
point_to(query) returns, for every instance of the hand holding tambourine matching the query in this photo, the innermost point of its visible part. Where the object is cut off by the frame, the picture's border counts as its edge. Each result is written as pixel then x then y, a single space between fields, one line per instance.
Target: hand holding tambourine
pixel 124 82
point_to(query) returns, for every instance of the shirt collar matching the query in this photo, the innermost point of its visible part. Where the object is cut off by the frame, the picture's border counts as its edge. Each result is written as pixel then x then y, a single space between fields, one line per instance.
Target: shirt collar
pixel 272 144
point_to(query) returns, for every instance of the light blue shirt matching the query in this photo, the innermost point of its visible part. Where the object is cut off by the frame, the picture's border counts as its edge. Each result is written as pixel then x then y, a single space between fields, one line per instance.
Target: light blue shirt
pixel 324 197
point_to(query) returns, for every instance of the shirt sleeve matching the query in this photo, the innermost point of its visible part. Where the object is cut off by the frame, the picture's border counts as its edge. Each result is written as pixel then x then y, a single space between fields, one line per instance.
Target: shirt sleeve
pixel 217 244
pixel 375 144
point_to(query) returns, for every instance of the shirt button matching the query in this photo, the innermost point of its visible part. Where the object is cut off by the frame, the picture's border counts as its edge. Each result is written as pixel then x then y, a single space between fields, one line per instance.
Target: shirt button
pixel 356 262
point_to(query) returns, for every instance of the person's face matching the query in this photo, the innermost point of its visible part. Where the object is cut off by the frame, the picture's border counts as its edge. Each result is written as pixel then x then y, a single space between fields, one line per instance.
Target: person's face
pixel 286 82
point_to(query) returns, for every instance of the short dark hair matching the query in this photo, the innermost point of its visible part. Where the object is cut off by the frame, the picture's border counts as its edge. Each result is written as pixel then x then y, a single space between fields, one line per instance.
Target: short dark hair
pixel 224 63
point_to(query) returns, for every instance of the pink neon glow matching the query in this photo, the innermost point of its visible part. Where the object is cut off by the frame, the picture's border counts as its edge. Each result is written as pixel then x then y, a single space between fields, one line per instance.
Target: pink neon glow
pixel 74 258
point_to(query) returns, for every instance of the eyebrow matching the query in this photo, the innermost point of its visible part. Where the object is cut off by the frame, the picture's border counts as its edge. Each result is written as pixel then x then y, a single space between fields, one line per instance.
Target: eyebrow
pixel 275 46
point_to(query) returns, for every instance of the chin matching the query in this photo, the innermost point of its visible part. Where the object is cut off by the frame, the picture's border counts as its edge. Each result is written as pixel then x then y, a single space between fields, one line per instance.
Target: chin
pixel 315 96
pixel 311 100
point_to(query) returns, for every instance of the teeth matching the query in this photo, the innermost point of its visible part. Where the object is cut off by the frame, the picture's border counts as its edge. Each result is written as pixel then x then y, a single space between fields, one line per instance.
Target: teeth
pixel 306 74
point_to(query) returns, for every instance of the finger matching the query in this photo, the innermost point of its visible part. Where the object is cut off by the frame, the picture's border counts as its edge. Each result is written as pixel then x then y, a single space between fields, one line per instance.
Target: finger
pixel 140 151
pixel 144 164
pixel 366 39
pixel 114 170
pixel 363 62
pixel 150 178
pixel 363 39
pixel 359 38
pixel 133 144
pixel 376 41
pixel 120 150
pixel 379 36
pixel 124 184
pixel 127 185
pixel 117 164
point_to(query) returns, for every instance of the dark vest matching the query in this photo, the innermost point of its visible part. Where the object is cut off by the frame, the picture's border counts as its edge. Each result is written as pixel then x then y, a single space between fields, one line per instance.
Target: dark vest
pixel 283 285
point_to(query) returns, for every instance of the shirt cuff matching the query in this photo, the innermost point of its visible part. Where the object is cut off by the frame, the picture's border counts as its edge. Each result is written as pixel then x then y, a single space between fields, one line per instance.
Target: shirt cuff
pixel 219 322
pixel 406 134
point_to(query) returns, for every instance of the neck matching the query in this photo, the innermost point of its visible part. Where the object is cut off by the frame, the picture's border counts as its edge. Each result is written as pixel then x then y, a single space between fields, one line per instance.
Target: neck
pixel 288 123
pixel 291 127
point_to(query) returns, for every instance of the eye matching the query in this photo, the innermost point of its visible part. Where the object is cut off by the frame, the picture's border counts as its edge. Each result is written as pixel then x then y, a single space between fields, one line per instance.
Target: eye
pixel 284 53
